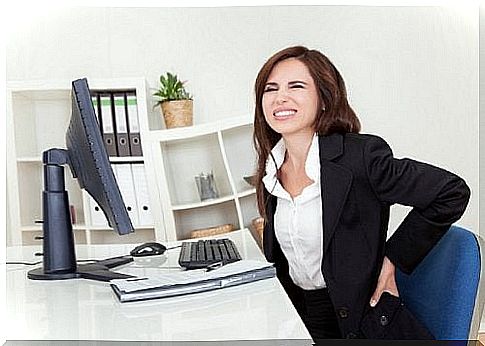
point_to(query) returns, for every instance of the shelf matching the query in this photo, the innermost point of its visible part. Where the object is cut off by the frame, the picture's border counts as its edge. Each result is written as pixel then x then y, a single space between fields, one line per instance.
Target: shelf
pixel 126 159
pixel 202 204
pixel 246 193
pixel 184 160
pixel 183 133
pixel 115 160
pixel 31 228
pixel 32 93
pixel 28 237
pixel 112 159
pixel 223 148
pixel 35 114
pixel 38 115
pixel 30 159
pixel 189 220
pixel 107 228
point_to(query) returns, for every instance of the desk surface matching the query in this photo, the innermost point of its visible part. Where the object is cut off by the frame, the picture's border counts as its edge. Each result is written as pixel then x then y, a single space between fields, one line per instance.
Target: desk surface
pixel 88 310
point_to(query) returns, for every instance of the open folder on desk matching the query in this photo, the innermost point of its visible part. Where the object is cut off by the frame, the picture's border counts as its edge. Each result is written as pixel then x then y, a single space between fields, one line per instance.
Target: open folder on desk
pixel 191 281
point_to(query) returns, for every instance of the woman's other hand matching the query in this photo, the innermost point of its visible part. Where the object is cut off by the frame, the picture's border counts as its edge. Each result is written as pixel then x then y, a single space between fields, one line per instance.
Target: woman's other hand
pixel 386 282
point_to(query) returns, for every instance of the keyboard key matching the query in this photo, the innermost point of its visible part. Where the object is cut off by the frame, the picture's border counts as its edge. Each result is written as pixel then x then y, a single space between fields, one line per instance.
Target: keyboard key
pixel 208 251
pixel 193 253
pixel 203 253
pixel 224 253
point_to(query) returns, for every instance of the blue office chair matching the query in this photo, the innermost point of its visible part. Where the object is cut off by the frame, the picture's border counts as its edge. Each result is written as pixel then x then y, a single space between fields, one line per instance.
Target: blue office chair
pixel 441 291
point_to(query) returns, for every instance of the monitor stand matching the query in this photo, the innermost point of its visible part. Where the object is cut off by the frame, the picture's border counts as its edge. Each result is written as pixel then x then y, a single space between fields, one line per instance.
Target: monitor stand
pixel 59 255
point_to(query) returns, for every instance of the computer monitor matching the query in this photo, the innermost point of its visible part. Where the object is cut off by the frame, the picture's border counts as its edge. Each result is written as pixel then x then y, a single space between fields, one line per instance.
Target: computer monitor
pixel 88 160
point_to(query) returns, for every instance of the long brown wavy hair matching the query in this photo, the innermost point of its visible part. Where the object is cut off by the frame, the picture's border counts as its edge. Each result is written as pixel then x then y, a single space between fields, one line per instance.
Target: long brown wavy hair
pixel 338 116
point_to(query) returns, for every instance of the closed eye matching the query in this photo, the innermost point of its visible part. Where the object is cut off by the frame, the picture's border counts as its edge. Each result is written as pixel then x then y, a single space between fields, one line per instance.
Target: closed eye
pixel 297 84
pixel 269 89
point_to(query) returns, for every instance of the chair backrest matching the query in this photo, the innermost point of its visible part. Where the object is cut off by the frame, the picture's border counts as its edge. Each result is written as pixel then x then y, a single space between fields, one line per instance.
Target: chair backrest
pixel 441 291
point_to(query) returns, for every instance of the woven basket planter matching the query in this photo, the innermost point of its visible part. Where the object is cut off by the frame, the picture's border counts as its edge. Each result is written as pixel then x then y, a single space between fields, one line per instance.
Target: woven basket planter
pixel 212 231
pixel 257 228
pixel 177 113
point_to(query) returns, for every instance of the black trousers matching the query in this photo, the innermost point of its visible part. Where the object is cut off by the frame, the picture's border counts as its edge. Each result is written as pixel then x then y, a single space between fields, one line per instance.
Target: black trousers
pixel 317 312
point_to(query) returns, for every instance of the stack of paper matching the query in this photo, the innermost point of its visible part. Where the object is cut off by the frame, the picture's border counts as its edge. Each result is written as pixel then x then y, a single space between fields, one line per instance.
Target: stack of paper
pixel 191 281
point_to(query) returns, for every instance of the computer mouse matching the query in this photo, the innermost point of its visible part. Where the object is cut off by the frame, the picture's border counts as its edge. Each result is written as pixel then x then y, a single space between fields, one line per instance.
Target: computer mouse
pixel 148 249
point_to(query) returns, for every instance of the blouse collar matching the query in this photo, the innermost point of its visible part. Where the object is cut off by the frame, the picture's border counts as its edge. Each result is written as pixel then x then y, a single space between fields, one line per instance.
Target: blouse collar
pixel 312 163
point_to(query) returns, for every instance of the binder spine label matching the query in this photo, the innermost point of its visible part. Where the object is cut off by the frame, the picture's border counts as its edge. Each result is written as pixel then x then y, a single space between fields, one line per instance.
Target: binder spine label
pixel 133 126
pixel 123 144
pixel 107 125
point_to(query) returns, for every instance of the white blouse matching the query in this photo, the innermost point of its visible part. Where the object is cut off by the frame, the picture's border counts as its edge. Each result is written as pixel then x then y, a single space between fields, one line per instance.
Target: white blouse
pixel 298 222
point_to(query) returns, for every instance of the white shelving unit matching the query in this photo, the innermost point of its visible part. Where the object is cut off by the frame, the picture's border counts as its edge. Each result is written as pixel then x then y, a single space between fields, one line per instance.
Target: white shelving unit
pixel 223 147
pixel 38 114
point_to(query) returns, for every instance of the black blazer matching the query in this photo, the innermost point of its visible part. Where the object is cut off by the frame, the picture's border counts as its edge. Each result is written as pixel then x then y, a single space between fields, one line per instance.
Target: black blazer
pixel 360 180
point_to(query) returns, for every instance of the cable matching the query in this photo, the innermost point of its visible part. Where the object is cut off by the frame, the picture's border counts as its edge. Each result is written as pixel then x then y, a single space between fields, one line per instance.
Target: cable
pixel 25 263
pixel 80 260
pixel 39 262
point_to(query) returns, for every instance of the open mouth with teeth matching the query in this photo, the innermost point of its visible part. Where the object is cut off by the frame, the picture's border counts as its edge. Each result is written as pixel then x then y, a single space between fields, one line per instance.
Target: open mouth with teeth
pixel 284 114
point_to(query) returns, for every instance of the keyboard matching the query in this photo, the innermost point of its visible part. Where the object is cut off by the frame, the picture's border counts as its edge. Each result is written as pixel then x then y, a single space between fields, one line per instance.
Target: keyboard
pixel 203 253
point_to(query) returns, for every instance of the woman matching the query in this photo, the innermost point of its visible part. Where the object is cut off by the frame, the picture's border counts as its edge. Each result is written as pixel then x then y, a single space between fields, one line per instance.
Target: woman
pixel 325 192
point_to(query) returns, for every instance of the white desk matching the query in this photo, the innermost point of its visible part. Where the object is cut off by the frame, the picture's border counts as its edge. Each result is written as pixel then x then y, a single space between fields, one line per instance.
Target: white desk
pixel 88 310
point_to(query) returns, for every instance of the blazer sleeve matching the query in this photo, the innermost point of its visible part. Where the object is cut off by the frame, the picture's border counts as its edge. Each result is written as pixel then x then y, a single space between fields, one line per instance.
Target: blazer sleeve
pixel 437 196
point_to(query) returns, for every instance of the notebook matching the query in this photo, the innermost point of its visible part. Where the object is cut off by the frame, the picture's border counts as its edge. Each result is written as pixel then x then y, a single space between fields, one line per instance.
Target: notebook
pixel 192 281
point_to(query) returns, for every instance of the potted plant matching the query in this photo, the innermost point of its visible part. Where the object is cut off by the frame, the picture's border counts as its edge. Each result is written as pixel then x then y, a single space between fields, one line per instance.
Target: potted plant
pixel 175 102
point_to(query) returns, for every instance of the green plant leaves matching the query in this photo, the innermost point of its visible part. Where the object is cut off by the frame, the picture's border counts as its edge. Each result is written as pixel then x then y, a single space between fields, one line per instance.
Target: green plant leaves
pixel 171 88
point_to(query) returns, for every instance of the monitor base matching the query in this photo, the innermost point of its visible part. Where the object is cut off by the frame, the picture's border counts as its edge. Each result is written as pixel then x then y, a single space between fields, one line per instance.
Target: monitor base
pixel 99 271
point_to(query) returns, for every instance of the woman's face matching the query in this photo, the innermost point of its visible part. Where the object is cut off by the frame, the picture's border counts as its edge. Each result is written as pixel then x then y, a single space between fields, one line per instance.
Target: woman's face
pixel 290 98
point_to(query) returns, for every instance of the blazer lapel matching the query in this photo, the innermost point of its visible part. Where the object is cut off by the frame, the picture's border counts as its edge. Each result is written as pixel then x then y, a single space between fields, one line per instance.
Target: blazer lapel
pixel 335 183
pixel 269 241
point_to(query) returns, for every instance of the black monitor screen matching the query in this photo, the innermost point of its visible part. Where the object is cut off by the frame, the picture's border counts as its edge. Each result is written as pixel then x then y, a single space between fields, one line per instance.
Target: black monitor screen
pixel 89 160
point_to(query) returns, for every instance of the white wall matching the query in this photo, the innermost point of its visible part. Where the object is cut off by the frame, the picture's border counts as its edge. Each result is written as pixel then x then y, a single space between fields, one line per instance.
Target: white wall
pixel 411 72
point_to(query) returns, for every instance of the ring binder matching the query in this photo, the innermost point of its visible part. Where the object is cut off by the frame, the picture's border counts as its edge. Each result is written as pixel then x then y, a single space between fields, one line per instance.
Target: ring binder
pixel 124 178
pixel 133 125
pixel 141 191
pixel 122 142
pixel 108 125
